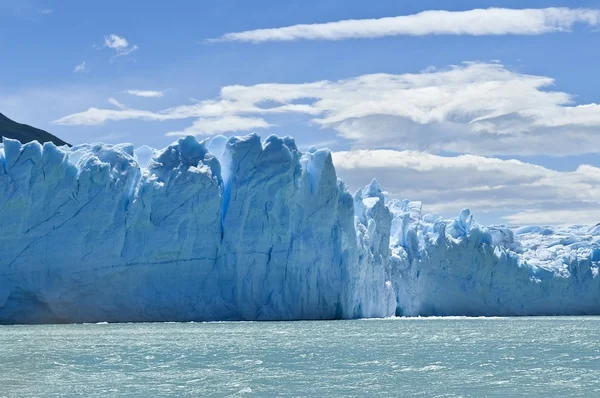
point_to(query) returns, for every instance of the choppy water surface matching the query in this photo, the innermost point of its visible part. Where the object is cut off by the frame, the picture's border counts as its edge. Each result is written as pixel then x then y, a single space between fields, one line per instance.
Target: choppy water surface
pixel 392 357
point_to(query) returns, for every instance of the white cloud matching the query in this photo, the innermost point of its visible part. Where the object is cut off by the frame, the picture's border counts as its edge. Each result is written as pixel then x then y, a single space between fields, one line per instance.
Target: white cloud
pixel 116 42
pixel 216 125
pixel 45 11
pixel 116 103
pixel 119 44
pixel 481 108
pixel 525 192
pixel 81 68
pixel 96 116
pixel 146 93
pixel 491 21
pixel 585 216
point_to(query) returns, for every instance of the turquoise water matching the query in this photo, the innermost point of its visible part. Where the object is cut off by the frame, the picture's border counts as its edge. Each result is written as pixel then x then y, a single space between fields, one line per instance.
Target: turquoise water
pixel 428 357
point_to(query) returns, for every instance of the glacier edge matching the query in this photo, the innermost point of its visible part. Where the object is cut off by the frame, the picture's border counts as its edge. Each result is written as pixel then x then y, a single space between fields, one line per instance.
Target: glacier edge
pixel 244 229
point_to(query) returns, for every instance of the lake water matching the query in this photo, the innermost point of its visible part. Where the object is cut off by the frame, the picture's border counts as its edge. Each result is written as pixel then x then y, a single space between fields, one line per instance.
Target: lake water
pixel 443 357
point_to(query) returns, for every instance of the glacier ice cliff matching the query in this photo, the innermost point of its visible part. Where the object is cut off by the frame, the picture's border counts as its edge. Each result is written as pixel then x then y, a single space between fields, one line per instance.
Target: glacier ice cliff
pixel 244 229
pixel 457 267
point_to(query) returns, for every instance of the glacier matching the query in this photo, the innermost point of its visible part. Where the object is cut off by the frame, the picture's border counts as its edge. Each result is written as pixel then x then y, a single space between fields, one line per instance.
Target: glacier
pixel 243 229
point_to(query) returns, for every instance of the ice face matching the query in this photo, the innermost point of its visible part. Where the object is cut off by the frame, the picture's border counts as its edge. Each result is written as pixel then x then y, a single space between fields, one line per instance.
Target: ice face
pixel 266 233
pixel 466 269
pixel 260 231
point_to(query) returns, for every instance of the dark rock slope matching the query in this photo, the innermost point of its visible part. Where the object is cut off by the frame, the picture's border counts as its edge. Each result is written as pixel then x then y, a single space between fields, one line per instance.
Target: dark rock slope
pixel 25 133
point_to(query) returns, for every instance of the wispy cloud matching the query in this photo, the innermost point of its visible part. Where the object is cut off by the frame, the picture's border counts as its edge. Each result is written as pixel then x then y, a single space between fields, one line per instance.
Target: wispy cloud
pixel 45 11
pixel 480 108
pixel 146 93
pixel 582 215
pixel 116 103
pixel 222 124
pixel 81 68
pixel 119 44
pixel 97 116
pixel 477 22
pixel 525 192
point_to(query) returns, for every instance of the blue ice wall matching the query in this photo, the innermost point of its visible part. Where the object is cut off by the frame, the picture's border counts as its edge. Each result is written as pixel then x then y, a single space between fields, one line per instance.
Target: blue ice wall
pixel 266 233
pixel 244 229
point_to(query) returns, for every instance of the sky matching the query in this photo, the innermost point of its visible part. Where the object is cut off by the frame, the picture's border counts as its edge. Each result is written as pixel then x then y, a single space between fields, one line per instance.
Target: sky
pixel 492 105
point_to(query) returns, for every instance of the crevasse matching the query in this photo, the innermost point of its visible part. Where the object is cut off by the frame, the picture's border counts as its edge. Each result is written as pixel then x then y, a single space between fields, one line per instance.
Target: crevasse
pixel 240 229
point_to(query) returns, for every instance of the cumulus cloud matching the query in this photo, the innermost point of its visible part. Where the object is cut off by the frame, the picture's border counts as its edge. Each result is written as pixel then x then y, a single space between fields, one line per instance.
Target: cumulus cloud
pixel 479 108
pixel 81 68
pixel 478 22
pixel 524 192
pixel 146 93
pixel 119 44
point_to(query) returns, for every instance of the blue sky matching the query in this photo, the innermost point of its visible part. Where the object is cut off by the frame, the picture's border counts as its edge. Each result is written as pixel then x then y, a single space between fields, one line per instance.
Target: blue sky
pixel 401 104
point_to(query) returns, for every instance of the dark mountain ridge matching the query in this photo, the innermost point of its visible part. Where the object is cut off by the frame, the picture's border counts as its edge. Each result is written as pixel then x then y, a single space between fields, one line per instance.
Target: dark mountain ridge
pixel 25 133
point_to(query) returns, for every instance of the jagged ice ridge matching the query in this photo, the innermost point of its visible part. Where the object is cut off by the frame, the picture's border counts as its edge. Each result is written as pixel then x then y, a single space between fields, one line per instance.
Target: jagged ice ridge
pixel 239 229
